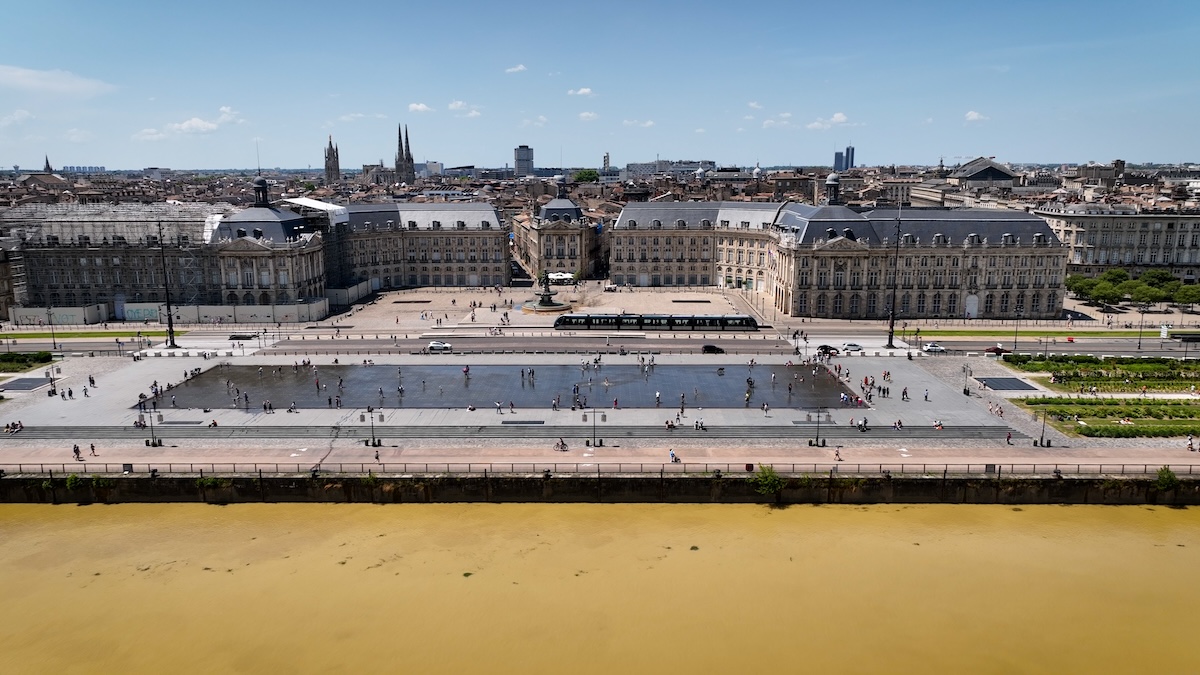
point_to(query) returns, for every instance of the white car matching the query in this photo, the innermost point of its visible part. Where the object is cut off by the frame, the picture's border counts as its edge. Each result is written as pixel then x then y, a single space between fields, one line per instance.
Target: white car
pixel 439 346
pixel 852 347
pixel 934 347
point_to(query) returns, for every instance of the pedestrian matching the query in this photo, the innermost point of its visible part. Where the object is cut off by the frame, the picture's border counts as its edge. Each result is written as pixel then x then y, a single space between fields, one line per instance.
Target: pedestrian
pixel 498 406
pixel 94 450
pixel 837 454
pixel 75 451
pixel 671 454
pixel 926 394
pixel 511 408
pixel 85 392
pixel 1008 439
pixel 376 456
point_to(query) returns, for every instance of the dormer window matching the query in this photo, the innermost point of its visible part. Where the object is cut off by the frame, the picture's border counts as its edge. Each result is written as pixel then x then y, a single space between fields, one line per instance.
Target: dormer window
pixel 706 223
pixel 412 224
pixel 631 224
pixel 487 225
pixel 437 224
pixel 461 225
pixel 241 232
pixel 258 233
pixel 657 224
pixel 681 224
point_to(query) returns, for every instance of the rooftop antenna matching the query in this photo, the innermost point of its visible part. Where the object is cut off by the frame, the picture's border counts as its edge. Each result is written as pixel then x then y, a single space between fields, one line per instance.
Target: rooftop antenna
pixel 257 157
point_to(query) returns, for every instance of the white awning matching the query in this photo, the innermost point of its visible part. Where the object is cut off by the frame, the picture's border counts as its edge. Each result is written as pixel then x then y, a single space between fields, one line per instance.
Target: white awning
pixel 337 214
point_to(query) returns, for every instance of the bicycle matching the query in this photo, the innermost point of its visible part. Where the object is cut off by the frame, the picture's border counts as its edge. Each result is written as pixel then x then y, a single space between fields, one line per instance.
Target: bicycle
pixel 560 446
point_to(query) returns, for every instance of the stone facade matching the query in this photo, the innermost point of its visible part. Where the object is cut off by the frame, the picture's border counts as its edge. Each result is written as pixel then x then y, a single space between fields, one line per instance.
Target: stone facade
pixel 558 239
pixel 1100 237
pixel 833 262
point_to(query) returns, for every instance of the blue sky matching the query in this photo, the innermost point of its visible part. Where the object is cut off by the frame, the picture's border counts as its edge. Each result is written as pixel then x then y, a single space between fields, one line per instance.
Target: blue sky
pixel 189 85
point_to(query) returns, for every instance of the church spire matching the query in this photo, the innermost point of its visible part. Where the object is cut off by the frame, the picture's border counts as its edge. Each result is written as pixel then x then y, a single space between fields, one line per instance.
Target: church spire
pixel 48 168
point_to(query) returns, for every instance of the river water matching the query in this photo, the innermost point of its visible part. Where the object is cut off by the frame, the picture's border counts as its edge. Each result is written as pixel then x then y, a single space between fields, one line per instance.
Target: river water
pixel 529 588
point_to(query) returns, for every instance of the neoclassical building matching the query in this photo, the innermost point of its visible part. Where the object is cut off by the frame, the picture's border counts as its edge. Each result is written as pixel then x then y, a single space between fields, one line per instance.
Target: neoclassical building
pixel 1100 237
pixel 835 262
pixel 435 244
pixel 558 239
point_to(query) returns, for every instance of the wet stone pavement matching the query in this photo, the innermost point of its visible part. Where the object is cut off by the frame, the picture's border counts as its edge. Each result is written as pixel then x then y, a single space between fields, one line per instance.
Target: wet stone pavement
pixel 449 387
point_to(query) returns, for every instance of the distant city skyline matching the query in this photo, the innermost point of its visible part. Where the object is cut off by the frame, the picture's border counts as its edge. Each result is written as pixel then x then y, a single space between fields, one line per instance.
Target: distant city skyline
pixel 779 84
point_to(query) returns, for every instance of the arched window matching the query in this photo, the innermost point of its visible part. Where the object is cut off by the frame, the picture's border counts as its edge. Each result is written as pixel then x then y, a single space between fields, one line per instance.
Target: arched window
pixel 952 304
pixel 264 299
pixel 921 303
pixel 821 304
pixel 232 299
pixel 837 304
pixel 937 303
pixel 989 303
pixel 248 299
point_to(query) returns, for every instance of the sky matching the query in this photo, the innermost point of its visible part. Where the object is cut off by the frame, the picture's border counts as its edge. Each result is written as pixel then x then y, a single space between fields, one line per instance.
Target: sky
pixel 220 84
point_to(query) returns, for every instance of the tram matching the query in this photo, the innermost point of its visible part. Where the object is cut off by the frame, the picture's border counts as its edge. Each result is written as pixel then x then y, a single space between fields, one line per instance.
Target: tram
pixel 681 322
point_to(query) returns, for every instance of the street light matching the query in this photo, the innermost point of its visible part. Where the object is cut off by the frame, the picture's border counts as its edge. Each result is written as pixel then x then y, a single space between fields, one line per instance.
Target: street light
pixel 1042 440
pixel 371 417
pixel 1016 326
pixel 1141 320
pixel 50 320
pixel 817 441
pixel 891 342
pixel 162 251
pixel 967 373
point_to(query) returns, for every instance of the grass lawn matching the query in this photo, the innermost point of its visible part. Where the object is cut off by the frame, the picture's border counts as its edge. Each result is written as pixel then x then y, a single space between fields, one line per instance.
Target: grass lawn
pixel 1033 332
pixel 1100 417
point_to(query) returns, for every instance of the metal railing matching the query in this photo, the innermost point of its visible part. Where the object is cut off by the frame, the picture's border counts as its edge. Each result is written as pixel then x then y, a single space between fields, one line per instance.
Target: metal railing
pixel 585 469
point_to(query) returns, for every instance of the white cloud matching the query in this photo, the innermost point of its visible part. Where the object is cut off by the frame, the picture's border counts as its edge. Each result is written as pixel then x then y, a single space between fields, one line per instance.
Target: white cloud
pixel 748 117
pixel 520 67
pixel 457 105
pixel 582 91
pixel 77 135
pixel 770 124
pixel 973 116
pixel 638 123
pixel 755 104
pixel 51 82
pixel 149 135
pixel 739 130
pixel 539 121
pixel 699 131
pixel 587 116
pixel 16 117
pixel 472 114
pixel 837 120
pixel 419 107
pixel 193 126
pixel 785 115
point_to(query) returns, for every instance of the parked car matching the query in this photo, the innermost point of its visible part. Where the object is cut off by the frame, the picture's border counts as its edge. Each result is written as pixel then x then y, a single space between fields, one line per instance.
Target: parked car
pixel 827 350
pixel 851 347
pixel 998 350
pixel 711 349
pixel 439 346
pixel 934 347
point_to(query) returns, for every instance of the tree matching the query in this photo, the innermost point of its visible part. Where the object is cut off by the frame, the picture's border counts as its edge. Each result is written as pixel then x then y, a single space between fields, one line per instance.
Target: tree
pixel 1115 276
pixel 1187 295
pixel 586 176
pixel 1081 286
pixel 1148 295
pixel 1106 294
pixel 1156 278
pixel 1130 286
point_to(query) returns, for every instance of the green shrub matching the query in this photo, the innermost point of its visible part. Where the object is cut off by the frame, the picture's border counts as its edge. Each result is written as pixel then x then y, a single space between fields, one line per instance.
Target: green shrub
pixel 74 482
pixel 766 481
pixel 1167 480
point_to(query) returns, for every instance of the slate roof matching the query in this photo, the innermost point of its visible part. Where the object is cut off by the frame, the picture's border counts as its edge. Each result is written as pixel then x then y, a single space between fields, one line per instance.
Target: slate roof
pixel 979 165
pixel 473 214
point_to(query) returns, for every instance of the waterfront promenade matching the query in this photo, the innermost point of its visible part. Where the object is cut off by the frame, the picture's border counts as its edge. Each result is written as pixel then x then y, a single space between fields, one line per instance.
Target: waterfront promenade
pixel 435 422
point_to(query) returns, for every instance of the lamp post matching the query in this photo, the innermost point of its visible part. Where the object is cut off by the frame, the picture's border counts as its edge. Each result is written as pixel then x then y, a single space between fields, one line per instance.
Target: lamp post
pixel 891 342
pixel 594 426
pixel 817 441
pixel 371 419
pixel 153 439
pixel 1016 327
pixel 1042 440
pixel 162 251
pixel 967 373
pixel 1141 321
pixel 50 320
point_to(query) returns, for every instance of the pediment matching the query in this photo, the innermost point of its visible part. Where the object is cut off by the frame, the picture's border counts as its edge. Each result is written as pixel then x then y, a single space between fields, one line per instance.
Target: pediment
pixel 244 245
pixel 842 244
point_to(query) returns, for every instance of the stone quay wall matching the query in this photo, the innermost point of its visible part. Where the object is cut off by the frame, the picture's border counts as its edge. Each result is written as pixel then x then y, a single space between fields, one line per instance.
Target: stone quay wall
pixel 643 488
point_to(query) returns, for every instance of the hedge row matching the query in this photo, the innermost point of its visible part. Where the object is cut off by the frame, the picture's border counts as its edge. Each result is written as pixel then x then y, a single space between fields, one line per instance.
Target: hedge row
pixel 1138 431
